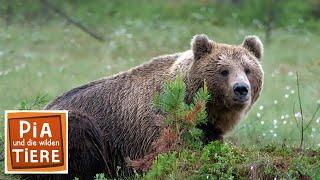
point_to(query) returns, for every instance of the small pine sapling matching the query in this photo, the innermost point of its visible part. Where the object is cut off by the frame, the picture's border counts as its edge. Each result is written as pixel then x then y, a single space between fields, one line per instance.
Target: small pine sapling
pixel 179 120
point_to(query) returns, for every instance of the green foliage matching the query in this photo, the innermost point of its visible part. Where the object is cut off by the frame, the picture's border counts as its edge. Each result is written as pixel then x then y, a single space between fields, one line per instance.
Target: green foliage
pixel 290 14
pixel 317 175
pixel 100 177
pixel 165 163
pixel 202 95
pixel 172 103
pixel 193 138
pixel 217 160
pixel 38 102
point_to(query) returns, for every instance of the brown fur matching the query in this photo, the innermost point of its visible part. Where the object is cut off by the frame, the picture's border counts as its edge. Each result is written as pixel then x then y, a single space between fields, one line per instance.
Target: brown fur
pixel 120 106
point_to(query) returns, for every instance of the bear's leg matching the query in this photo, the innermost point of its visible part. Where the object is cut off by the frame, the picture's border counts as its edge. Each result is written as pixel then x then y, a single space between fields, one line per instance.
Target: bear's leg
pixel 211 133
pixel 86 151
pixel 86 147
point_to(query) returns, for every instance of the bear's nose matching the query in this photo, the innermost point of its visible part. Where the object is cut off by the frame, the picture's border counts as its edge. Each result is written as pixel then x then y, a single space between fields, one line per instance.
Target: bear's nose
pixel 241 89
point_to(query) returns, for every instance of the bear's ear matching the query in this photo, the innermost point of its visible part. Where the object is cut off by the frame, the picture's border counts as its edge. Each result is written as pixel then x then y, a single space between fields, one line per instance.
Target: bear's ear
pixel 201 45
pixel 254 45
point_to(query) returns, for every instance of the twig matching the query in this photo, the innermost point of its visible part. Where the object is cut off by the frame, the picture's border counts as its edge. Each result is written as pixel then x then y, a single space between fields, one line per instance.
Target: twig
pixel 301 112
pixel 312 118
pixel 294 116
pixel 73 21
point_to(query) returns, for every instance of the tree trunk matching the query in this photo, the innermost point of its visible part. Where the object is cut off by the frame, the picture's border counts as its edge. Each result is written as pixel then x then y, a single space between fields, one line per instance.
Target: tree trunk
pixel 74 21
pixel 9 12
pixel 45 11
pixel 270 19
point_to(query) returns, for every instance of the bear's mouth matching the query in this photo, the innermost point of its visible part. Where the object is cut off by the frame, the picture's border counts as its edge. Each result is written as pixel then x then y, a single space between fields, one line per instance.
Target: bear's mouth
pixel 241 100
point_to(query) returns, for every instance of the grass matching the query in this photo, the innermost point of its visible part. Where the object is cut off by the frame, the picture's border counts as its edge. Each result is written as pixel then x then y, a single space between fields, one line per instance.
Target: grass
pixel 226 161
pixel 53 58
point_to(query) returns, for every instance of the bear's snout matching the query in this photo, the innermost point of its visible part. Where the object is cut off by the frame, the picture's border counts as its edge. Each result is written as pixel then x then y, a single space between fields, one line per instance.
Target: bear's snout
pixel 241 92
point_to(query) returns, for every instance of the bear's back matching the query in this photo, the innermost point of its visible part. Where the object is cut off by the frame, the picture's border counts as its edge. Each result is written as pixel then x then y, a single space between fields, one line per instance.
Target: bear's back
pixel 121 105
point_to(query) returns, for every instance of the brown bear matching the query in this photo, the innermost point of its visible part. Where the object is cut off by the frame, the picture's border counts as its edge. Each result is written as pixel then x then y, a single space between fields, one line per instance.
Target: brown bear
pixel 115 118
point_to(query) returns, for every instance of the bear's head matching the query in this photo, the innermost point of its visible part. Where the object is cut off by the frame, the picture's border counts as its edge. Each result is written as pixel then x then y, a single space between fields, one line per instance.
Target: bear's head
pixel 232 73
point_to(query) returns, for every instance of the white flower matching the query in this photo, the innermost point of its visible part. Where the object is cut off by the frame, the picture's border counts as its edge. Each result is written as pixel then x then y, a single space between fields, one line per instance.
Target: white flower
pixel 275 126
pixel 274 135
pixel 290 73
pixel 261 107
pixel 287 87
pixel 271 131
pixel 318 120
pixel 286 96
pixel 286 116
pixel 297 115
pixel 251 167
pixel 39 74
pixel 258 115
pixel 262 122
pixel 275 121
pixel 282 117
pixel 284 122
pixel 263 134
pixel 275 102
pixel 318 145
pixel 292 91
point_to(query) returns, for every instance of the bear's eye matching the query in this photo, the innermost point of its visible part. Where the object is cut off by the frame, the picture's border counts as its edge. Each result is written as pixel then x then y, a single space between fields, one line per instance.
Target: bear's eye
pixel 225 73
pixel 247 71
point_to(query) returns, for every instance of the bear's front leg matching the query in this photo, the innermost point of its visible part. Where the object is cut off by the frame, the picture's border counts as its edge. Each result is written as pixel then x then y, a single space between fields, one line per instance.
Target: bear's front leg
pixel 211 133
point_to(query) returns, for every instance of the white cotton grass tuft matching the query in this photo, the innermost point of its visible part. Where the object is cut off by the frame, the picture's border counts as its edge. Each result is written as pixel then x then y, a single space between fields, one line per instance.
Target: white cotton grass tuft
pixel 318 120
pixel 297 115
pixel 261 107
pixel 258 115
pixel 290 73
pixel 271 131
